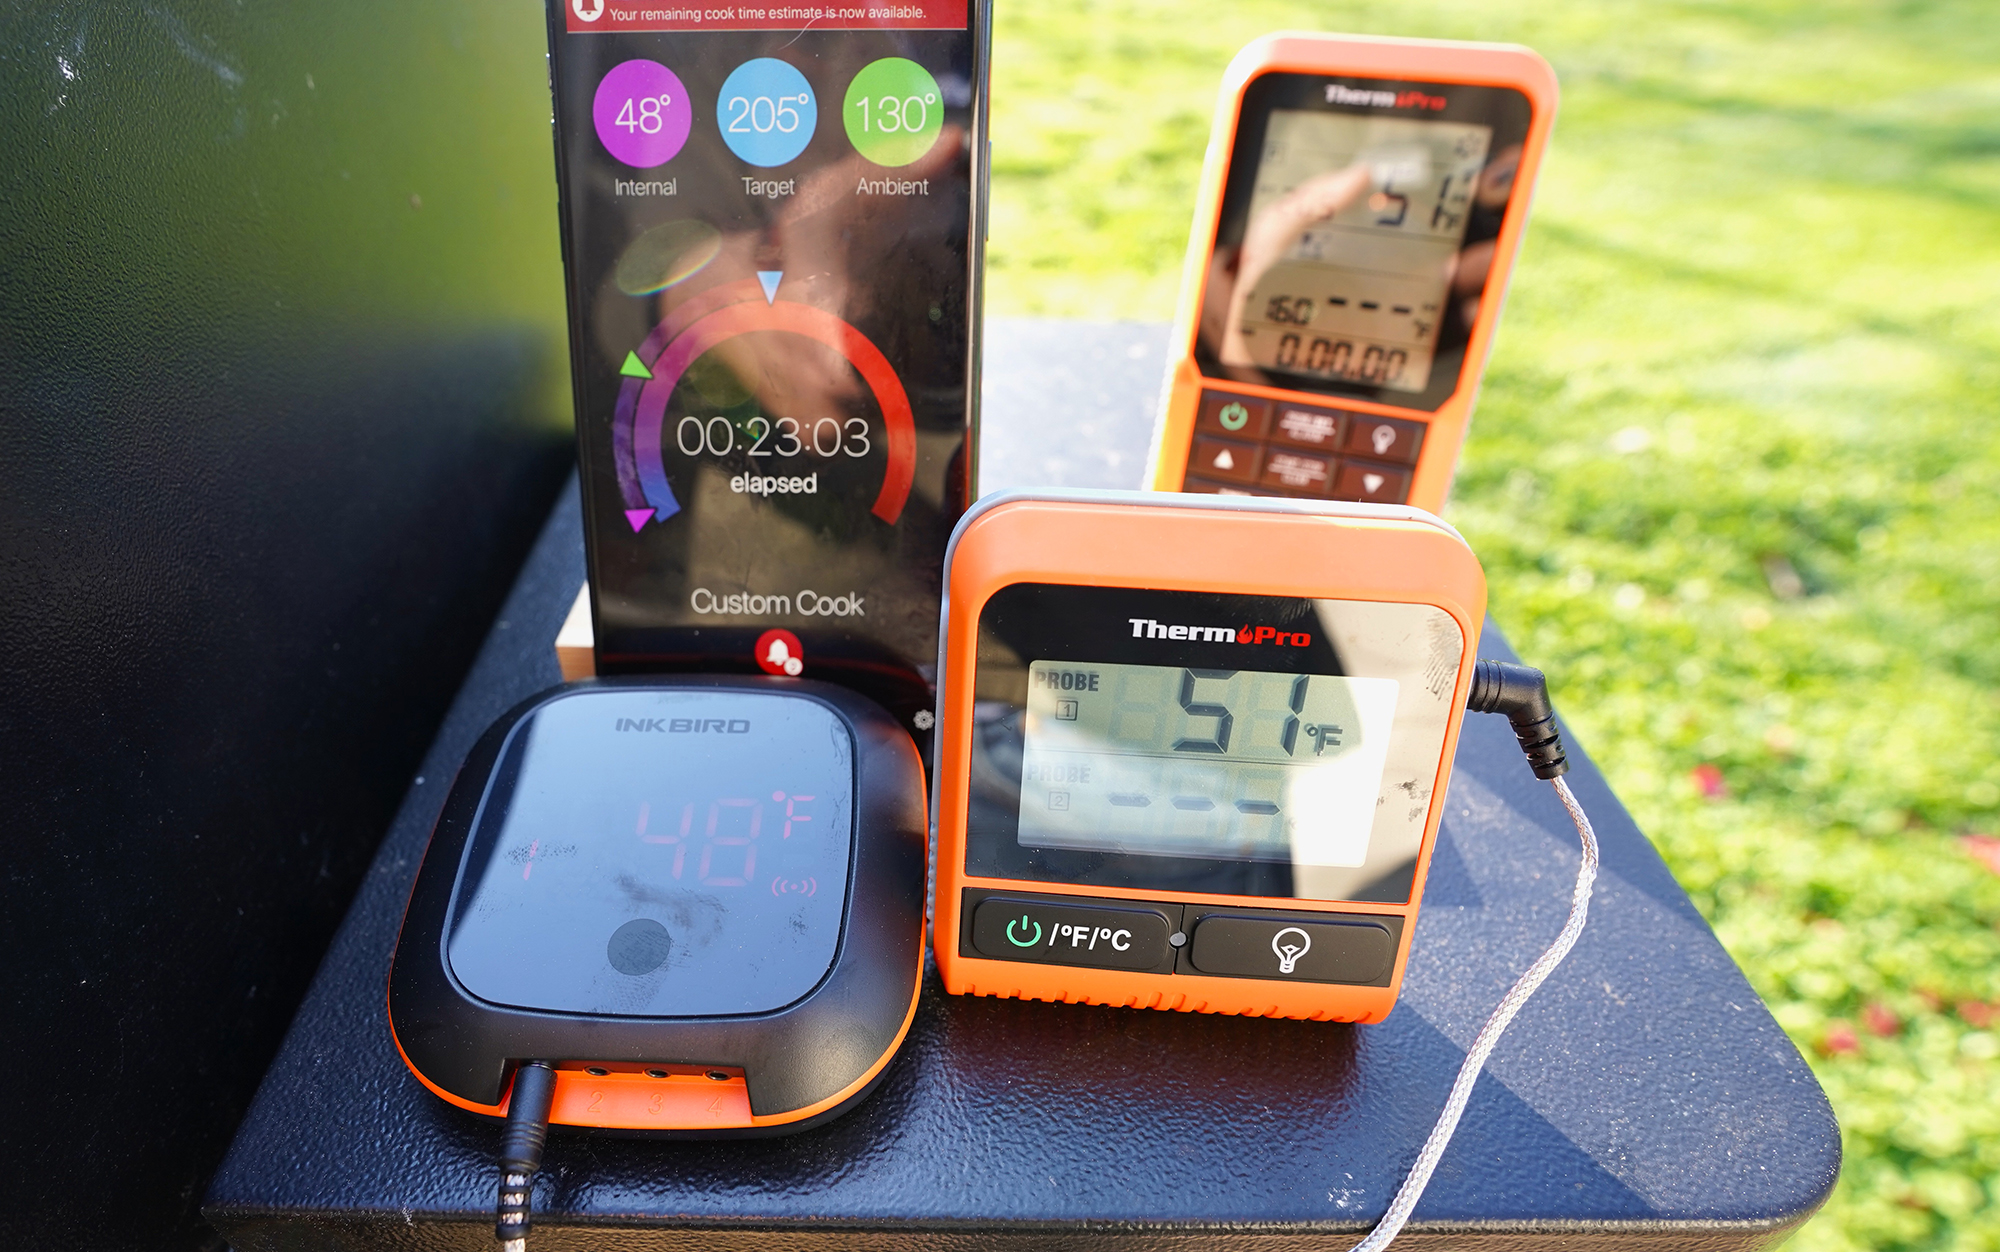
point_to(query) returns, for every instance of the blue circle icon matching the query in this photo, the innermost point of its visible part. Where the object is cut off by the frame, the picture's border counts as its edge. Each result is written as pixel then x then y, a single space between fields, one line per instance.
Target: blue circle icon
pixel 766 112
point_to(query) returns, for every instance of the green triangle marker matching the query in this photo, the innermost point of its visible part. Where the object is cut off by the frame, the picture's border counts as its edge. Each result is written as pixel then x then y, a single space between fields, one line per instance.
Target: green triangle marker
pixel 634 367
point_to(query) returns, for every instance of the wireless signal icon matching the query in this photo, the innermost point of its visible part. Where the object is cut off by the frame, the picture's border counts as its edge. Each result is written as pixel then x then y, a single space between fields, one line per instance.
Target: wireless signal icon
pixel 795 886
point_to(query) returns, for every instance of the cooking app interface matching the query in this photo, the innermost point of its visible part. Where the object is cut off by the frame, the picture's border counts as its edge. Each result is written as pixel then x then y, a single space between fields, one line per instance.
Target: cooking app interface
pixel 767 220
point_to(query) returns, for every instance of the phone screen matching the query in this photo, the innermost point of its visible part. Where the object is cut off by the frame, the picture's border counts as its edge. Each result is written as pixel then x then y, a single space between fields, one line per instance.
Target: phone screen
pixel 768 221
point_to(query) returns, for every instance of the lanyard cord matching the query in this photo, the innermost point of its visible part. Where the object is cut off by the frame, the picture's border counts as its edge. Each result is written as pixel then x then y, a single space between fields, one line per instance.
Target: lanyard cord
pixel 1419 1177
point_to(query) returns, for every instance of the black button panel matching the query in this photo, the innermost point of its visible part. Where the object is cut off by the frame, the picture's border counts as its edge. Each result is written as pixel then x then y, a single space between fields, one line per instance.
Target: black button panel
pixel 1097 934
pixel 1358 949
pixel 1247 445
pixel 1303 949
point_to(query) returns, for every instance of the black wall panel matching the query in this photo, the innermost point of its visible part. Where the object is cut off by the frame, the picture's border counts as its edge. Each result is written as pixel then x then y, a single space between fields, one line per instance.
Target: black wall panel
pixel 282 404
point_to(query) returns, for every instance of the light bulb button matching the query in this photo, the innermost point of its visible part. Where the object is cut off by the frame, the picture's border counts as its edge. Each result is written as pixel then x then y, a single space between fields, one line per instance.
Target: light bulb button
pixel 1351 949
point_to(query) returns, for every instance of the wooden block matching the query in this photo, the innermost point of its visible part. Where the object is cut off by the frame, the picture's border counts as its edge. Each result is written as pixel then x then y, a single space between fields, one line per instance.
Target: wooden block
pixel 576 651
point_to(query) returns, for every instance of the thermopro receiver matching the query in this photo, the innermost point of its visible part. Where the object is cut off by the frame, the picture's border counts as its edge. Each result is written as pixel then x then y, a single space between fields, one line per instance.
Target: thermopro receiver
pixel 1361 205
pixel 699 899
pixel 1192 751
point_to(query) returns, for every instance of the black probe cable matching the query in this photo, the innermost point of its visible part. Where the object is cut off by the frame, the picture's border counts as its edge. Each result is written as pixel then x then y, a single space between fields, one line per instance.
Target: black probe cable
pixel 1522 694
pixel 521 1152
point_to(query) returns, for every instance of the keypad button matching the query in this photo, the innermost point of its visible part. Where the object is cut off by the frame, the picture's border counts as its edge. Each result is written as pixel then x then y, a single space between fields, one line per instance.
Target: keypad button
pixel 1305 949
pixel 1376 484
pixel 1224 413
pixel 1224 460
pixel 1299 473
pixel 1201 486
pixel 1088 933
pixel 1384 438
pixel 1304 427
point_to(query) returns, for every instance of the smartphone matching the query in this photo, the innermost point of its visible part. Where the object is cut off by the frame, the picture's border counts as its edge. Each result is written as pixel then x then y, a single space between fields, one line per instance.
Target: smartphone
pixel 772 222
pixel 1361 206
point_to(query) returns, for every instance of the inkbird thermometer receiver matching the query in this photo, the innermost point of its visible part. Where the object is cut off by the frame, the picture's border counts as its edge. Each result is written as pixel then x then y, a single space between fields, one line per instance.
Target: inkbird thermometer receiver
pixel 686 907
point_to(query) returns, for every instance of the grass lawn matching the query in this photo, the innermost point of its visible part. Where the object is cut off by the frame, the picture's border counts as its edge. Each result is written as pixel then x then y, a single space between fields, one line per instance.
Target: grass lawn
pixel 1735 475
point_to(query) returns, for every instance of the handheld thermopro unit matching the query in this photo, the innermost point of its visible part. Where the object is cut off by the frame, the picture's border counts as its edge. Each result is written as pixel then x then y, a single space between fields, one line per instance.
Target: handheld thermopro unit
pixel 1361 205
pixel 700 900
pixel 1192 751
pixel 770 230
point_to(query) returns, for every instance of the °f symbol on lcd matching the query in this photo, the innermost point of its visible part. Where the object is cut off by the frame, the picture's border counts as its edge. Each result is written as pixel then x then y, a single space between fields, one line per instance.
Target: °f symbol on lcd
pixel 1024 923
pixel 1290 944
pixel 1233 417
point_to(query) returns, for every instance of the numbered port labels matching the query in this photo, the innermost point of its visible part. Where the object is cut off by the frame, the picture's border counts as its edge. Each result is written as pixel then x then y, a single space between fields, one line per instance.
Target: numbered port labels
pixel 893 111
pixel 642 114
pixel 766 111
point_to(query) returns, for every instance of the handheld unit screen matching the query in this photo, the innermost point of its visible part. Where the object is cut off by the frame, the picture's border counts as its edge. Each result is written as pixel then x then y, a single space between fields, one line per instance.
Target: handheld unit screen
pixel 1171 761
pixel 768 238
pixel 1207 742
pixel 1357 233
pixel 702 871
pixel 1380 264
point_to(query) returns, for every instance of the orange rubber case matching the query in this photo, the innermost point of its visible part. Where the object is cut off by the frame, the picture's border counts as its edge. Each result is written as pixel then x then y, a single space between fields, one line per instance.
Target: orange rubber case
pixel 1439 61
pixel 1193 543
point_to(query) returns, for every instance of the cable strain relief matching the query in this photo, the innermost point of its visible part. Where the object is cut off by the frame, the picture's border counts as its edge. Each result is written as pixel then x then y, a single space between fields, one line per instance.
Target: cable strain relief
pixel 521 1141
pixel 1521 692
pixel 1542 744
pixel 527 1127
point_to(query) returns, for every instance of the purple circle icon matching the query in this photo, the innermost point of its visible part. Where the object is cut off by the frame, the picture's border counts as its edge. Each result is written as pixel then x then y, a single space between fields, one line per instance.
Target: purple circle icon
pixel 642 113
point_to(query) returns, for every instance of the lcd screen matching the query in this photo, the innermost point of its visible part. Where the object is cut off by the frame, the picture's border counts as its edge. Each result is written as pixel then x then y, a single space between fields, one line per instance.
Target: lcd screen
pixel 1170 761
pixel 1261 746
pixel 1356 293
pixel 1357 234
pixel 670 854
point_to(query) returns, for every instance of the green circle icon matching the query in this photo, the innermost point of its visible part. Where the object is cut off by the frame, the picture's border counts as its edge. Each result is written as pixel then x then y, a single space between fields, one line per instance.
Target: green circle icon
pixel 1234 417
pixel 894 111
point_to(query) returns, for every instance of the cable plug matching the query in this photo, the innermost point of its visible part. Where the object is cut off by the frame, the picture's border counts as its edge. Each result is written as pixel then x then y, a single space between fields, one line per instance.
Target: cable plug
pixel 521 1151
pixel 1522 693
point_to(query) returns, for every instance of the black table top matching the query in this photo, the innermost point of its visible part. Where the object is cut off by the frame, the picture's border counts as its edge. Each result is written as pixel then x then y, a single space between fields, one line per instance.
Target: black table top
pixel 1644 1096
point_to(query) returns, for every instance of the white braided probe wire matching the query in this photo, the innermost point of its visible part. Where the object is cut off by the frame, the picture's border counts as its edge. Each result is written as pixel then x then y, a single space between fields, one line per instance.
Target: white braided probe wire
pixel 1407 1195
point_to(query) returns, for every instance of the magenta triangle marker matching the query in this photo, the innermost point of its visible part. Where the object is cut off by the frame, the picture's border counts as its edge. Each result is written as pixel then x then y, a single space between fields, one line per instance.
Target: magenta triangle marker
pixel 768 280
pixel 638 518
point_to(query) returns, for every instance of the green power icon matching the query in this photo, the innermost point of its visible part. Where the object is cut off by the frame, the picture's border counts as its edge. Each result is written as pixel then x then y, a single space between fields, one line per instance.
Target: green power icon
pixel 1233 417
pixel 1024 924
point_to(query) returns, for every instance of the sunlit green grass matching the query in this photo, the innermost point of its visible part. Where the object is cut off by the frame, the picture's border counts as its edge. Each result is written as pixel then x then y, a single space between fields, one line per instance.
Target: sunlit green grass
pixel 1735 475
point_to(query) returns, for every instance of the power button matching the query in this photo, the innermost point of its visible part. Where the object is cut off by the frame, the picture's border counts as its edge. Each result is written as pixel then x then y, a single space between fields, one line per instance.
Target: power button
pixel 1091 935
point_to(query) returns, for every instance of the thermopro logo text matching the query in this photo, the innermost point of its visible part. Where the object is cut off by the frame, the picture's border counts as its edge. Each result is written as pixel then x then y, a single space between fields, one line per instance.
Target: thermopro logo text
pixel 1147 628
pixel 1337 94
